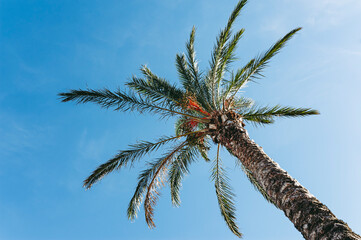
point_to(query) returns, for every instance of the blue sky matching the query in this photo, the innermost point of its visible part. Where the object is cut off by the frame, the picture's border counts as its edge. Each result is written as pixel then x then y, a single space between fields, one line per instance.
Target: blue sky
pixel 47 148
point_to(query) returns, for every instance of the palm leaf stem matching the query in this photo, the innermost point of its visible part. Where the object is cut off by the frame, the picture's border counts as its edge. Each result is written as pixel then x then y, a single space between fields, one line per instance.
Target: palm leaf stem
pixel 183 114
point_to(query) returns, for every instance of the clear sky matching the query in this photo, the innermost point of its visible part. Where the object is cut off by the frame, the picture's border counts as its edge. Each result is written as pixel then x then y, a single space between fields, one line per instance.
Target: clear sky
pixel 48 148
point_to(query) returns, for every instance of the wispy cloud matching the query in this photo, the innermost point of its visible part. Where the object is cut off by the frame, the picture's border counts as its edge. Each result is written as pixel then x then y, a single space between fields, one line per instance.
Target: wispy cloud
pixel 349 52
pixel 18 137
pixel 320 14
pixel 91 148
pixel 330 13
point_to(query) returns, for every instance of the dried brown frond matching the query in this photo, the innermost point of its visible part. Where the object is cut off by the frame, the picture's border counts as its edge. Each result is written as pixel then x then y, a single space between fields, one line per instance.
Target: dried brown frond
pixel 157 182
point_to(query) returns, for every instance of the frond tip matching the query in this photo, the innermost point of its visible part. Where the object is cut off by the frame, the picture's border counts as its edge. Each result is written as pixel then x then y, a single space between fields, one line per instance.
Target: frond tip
pixel 265 115
pixel 225 196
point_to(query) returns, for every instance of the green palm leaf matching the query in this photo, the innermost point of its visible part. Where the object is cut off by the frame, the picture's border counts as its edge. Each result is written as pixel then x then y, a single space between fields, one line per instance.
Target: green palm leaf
pixel 179 169
pixel 121 101
pixel 237 81
pixel 184 73
pixel 255 67
pixel 147 181
pixel 265 115
pixel 157 89
pixel 216 66
pixel 225 195
pixel 228 55
pixel 191 58
pixel 130 155
pixel 192 80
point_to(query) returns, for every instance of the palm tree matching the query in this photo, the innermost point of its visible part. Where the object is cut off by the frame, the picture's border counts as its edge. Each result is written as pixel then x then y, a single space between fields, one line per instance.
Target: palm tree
pixel 209 108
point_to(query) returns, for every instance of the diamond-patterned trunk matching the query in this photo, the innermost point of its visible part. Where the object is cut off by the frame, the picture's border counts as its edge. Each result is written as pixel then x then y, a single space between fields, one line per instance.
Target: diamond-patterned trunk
pixel 312 218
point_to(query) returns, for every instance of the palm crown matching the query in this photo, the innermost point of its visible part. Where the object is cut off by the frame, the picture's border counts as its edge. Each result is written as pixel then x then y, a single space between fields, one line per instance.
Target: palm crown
pixel 200 106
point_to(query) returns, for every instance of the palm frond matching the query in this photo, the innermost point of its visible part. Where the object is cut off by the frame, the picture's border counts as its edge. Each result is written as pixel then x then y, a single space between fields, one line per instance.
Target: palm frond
pixel 180 125
pixel 183 125
pixel 191 57
pixel 239 103
pixel 237 82
pixel 184 73
pixel 157 180
pixel 145 178
pixel 104 97
pixel 130 155
pixel 121 101
pixel 196 86
pixel 225 195
pixel 228 55
pixel 260 62
pixel 219 51
pixel 196 90
pixel 157 89
pixel 204 148
pixel 266 114
pixel 134 204
pixel 179 169
pixel 264 59
pixel 227 58
pixel 259 120
pixel 235 13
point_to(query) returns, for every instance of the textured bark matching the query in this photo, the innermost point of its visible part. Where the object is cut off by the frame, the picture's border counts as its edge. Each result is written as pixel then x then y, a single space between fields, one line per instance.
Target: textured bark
pixel 312 218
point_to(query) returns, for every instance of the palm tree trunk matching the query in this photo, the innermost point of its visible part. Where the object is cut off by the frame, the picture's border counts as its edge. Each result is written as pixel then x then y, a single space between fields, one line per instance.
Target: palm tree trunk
pixel 312 218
